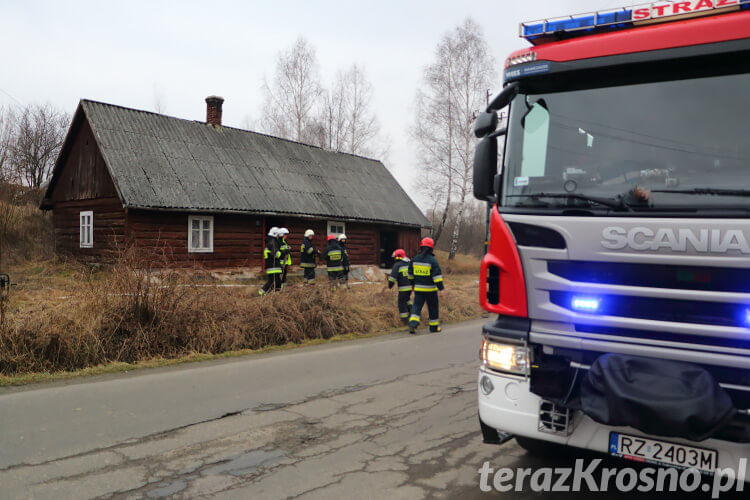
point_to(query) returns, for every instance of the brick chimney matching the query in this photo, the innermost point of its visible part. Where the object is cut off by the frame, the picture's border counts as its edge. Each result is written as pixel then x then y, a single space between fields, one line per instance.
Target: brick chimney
pixel 213 110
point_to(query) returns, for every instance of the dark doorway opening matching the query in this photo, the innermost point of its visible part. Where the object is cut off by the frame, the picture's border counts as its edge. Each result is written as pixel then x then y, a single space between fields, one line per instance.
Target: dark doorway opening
pixel 274 222
pixel 388 244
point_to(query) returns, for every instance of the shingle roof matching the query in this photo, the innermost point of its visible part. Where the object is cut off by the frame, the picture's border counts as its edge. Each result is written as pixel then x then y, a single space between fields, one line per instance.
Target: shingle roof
pixel 159 161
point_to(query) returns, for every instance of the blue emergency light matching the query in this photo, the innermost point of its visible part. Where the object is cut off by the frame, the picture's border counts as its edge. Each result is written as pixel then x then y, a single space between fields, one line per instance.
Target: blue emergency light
pixel 747 316
pixel 585 303
pixel 610 20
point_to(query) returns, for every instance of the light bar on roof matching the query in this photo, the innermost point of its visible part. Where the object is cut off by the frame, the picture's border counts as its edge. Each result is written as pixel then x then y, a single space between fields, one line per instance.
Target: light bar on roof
pixel 606 20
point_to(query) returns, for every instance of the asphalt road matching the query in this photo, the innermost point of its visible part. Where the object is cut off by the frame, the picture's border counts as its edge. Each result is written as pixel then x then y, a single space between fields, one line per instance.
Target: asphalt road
pixel 388 417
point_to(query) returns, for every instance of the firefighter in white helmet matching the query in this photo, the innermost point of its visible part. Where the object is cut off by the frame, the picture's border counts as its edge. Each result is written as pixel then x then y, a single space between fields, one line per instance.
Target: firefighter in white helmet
pixel 286 254
pixel 308 256
pixel 272 261
pixel 344 276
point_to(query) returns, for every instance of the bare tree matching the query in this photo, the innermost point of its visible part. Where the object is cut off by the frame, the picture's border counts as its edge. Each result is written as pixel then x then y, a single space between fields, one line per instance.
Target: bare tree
pixel 160 104
pixel 361 123
pixel 36 138
pixel 434 129
pixel 346 117
pixel 454 88
pixel 7 126
pixel 291 97
pixel 332 118
pixel 472 228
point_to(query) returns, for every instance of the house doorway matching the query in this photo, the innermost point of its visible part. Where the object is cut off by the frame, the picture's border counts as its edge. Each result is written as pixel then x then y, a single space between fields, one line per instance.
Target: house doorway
pixel 388 244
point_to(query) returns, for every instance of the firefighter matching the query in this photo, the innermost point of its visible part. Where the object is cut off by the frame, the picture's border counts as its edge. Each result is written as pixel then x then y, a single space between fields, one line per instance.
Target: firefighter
pixel 271 257
pixel 308 255
pixel 400 277
pixel 424 272
pixel 344 277
pixel 334 259
pixel 286 254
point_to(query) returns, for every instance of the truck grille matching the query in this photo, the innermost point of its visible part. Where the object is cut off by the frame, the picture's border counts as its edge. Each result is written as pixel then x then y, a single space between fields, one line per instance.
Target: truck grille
pixel 656 309
pixel 632 333
pixel 710 279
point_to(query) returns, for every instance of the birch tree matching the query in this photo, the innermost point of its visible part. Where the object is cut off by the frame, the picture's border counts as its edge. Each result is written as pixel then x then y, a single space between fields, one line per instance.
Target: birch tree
pixel 434 129
pixel 454 88
pixel 362 125
pixel 293 94
pixel 347 115
pixel 332 119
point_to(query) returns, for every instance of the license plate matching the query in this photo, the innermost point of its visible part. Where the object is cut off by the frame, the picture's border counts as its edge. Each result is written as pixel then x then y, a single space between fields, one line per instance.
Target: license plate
pixel 651 451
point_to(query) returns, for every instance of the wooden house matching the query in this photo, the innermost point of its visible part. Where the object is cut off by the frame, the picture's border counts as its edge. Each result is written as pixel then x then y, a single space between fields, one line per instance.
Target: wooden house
pixel 202 193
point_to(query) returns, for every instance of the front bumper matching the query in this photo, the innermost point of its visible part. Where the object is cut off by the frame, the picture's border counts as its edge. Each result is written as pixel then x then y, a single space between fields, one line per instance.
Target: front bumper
pixel 513 408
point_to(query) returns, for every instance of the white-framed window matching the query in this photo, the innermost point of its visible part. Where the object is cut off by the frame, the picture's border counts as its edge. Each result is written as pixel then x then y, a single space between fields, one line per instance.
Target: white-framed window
pixel 336 228
pixel 200 234
pixel 86 229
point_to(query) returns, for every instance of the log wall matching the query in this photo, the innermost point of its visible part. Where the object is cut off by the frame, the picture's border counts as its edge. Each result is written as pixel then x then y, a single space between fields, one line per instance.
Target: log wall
pixel 109 228
pixel 238 239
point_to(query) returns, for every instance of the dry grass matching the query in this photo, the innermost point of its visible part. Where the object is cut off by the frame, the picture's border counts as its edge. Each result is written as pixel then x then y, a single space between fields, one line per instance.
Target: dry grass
pixel 25 230
pixel 68 317
pixel 462 264
pixel 65 317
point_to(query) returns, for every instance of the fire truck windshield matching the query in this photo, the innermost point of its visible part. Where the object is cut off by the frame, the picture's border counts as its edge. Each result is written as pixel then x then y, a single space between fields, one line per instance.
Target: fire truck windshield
pixel 643 145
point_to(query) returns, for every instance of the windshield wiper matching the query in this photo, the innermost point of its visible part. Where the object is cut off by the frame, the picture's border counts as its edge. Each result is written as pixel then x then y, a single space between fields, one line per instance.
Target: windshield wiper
pixel 616 204
pixel 709 191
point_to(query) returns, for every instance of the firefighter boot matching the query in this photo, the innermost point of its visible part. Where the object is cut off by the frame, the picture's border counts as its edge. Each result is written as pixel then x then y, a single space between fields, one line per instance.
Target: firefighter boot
pixel 413 324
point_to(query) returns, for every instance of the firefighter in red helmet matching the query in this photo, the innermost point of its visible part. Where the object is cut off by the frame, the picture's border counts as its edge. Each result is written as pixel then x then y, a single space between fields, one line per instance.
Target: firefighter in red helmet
pixel 424 272
pixel 334 257
pixel 400 278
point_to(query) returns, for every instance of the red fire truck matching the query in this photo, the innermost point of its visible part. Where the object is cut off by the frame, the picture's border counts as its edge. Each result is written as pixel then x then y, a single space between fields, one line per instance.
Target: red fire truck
pixel 619 255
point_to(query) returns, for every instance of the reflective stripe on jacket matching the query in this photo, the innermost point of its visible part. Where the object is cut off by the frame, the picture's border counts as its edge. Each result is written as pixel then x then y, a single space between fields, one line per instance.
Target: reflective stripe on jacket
pixel 286 253
pixel 334 256
pixel 400 276
pixel 345 257
pixel 271 256
pixel 308 252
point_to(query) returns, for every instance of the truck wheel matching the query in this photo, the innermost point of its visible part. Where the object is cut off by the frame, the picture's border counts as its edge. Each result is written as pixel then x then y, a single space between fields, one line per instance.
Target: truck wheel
pixel 539 448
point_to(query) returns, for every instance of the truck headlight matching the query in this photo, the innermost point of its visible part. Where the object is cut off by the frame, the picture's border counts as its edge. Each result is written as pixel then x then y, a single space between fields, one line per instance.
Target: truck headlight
pixel 510 358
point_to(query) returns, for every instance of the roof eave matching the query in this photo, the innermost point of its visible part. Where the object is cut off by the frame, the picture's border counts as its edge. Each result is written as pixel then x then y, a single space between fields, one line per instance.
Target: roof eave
pixel 276 214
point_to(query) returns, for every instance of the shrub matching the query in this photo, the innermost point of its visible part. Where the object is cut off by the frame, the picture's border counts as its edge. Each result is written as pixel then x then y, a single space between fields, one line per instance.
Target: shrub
pixel 25 230
pixel 129 313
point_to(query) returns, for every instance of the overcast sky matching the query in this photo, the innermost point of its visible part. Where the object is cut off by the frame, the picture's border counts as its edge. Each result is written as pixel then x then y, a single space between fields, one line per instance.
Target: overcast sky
pixel 129 52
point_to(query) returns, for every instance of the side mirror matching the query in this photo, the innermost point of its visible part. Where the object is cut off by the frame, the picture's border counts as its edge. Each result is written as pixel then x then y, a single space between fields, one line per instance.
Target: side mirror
pixel 485 124
pixel 485 168
pixel 504 97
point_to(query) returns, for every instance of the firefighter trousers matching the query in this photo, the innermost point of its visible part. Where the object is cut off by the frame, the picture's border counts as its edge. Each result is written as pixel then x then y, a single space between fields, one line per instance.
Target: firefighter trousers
pixel 433 308
pixel 284 270
pixel 309 274
pixel 404 305
pixel 272 284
